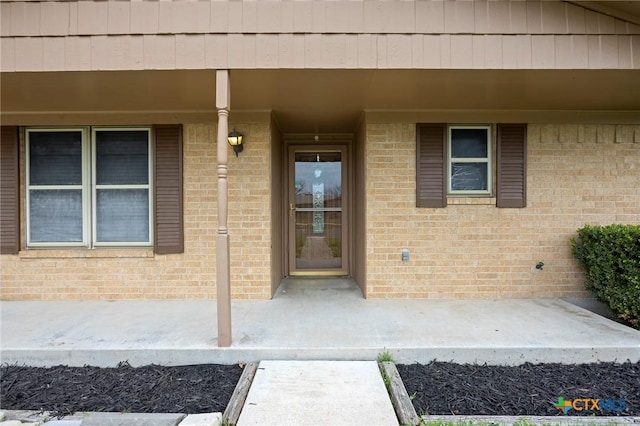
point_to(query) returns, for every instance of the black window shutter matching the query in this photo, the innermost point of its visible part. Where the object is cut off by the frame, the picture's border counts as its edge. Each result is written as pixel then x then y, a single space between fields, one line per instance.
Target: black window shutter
pixel 9 191
pixel 168 209
pixel 512 166
pixel 431 159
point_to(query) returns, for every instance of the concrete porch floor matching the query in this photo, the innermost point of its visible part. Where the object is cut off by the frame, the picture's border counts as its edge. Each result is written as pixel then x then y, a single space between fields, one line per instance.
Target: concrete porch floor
pixel 310 319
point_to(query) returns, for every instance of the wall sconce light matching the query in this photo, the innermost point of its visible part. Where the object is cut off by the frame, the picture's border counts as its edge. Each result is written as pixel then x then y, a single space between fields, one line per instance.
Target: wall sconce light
pixel 235 140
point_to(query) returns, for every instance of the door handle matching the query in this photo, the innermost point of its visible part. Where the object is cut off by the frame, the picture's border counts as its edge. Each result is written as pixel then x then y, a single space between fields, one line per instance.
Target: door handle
pixel 292 208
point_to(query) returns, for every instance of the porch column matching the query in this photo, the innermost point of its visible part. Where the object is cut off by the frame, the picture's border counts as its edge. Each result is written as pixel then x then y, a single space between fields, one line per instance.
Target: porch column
pixel 222 240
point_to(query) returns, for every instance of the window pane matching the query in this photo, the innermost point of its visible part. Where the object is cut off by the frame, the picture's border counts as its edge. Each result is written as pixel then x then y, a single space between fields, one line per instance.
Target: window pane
pixel 318 183
pixel 318 239
pixel 55 158
pixel 469 176
pixel 122 215
pixel 469 143
pixel 55 216
pixel 122 157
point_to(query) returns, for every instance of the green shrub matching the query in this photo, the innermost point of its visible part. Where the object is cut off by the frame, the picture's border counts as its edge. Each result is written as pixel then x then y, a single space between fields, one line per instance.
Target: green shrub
pixel 610 256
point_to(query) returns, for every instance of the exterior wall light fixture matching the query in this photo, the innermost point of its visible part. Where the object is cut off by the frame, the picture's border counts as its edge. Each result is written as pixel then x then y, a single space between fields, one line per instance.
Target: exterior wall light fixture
pixel 235 140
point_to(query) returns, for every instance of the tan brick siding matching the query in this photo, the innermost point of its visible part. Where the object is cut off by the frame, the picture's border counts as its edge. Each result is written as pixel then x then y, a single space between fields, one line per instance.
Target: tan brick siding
pixel 250 215
pixel 577 174
pixel 137 274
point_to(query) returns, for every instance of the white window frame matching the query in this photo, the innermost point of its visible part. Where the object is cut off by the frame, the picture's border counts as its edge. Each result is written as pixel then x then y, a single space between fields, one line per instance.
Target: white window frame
pixel 89 187
pixel 95 187
pixel 84 187
pixel 487 160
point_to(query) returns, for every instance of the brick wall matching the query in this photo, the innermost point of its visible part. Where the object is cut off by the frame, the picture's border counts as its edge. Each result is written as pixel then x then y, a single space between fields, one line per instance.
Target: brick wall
pixel 250 215
pixel 577 174
pixel 138 273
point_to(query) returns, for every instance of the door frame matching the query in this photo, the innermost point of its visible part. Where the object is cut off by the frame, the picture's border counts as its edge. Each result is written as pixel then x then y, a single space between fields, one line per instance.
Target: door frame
pixel 310 143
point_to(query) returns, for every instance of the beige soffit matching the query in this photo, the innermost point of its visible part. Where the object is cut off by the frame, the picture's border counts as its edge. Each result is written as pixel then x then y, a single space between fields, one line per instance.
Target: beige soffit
pixel 312 100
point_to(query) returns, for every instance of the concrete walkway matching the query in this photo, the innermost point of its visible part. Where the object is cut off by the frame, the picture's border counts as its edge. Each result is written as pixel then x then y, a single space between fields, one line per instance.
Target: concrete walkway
pixel 311 393
pixel 310 320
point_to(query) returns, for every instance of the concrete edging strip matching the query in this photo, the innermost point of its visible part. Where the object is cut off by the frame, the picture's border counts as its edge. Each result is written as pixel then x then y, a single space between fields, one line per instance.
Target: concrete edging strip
pixel 132 419
pixel 203 419
pixel 234 408
pixel 88 418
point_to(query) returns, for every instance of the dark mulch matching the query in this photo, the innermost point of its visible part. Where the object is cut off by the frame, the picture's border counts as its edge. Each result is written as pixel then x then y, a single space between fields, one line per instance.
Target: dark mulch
pixel 152 389
pixel 529 389
pixel 438 388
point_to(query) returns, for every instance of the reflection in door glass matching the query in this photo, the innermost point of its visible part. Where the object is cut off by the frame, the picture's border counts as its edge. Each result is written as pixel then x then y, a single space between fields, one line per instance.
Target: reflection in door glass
pixel 314 250
pixel 318 205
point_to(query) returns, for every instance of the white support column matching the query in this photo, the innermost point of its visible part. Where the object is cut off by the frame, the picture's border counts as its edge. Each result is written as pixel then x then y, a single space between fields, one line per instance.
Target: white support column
pixel 223 273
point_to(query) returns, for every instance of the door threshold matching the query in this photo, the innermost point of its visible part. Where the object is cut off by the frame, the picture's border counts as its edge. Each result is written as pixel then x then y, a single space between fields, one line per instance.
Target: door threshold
pixel 319 274
pixel 321 289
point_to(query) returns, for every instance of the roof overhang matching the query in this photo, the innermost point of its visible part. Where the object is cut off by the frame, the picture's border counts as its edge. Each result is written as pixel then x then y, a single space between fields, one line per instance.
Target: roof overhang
pixel 311 100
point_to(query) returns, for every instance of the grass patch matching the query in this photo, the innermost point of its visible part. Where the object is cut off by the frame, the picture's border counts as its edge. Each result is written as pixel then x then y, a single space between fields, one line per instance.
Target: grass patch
pixel 385 357
pixel 521 422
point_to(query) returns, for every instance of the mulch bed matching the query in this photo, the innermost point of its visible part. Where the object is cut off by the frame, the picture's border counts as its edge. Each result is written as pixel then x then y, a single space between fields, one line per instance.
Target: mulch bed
pixel 441 388
pixel 152 389
pixel 437 388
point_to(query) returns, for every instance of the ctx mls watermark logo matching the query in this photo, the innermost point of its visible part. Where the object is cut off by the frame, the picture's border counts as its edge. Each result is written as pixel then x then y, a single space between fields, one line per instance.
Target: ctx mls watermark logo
pixel 590 404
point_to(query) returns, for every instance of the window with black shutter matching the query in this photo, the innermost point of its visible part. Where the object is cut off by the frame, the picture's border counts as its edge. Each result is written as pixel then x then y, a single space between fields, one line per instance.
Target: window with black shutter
pixel 456 160
pixel 103 187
